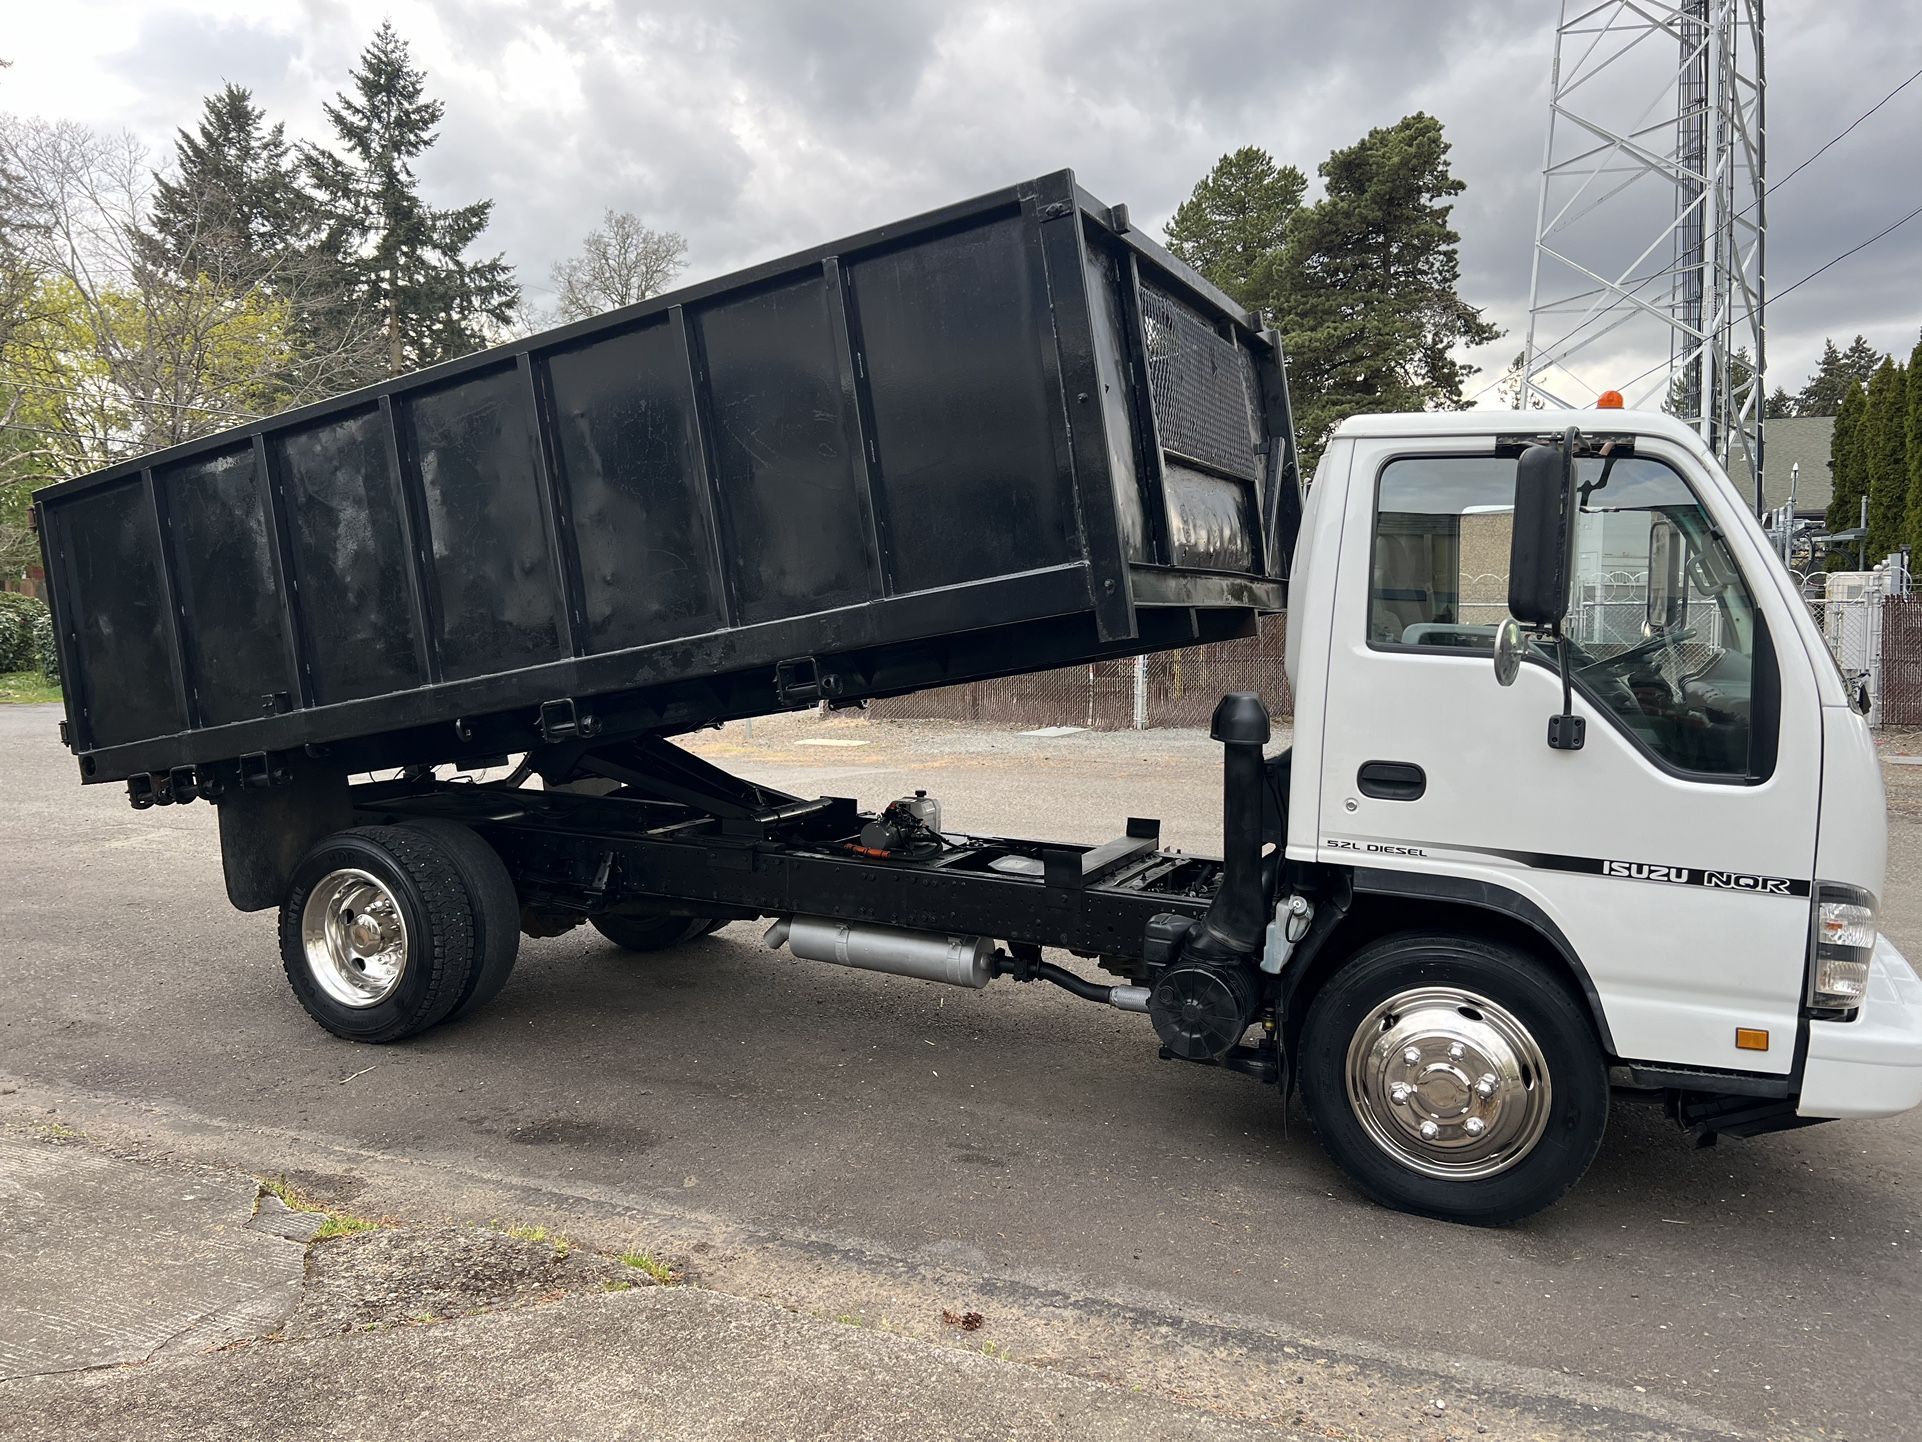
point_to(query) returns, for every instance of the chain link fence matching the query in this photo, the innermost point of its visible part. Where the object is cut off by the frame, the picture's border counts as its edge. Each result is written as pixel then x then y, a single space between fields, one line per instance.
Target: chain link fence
pixel 1899 693
pixel 1874 631
pixel 1169 688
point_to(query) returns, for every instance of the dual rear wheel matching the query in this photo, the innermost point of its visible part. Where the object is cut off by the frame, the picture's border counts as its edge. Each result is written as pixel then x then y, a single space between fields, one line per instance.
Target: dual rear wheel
pixel 655 933
pixel 389 930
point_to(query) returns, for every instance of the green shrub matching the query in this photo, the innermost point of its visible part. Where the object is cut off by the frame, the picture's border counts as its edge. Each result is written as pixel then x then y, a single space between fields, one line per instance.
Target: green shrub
pixel 45 651
pixel 19 617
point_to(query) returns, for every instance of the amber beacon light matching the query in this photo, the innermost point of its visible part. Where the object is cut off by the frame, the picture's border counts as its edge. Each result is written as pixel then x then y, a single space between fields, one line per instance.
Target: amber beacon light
pixel 1609 401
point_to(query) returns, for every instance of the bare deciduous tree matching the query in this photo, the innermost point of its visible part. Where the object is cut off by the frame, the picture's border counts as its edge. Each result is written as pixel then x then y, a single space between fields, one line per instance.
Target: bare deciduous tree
pixel 107 350
pixel 619 263
pixel 174 351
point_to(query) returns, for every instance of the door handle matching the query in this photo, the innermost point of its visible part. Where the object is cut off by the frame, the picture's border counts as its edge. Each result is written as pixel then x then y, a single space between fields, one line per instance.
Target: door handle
pixel 1392 780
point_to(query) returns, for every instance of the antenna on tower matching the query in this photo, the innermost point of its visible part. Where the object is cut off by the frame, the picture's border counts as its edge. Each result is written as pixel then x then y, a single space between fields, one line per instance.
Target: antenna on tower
pixel 1649 234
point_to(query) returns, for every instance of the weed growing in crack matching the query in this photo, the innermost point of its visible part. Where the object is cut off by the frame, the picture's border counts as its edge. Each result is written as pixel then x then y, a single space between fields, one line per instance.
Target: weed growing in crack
pixel 542 1236
pixel 334 1221
pixel 653 1266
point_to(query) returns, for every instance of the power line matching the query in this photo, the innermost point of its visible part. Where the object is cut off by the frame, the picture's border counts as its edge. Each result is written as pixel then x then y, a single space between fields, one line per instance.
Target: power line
pixel 72 436
pixel 1851 125
pixel 1847 253
pixel 110 400
pixel 1787 290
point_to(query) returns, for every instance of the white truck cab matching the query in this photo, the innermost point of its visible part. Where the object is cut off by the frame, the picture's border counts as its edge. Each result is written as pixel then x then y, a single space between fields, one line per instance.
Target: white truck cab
pixel 1700 850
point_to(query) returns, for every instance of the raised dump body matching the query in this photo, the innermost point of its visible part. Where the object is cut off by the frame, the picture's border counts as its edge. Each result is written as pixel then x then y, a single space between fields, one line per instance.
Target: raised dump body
pixel 1008 435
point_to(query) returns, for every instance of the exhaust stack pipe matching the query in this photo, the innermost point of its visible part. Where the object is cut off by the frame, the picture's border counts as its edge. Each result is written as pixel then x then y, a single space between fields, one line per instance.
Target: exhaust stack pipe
pixel 957 960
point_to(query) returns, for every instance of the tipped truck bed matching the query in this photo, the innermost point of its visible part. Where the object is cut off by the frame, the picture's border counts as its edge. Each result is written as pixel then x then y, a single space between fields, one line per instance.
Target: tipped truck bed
pixel 1000 437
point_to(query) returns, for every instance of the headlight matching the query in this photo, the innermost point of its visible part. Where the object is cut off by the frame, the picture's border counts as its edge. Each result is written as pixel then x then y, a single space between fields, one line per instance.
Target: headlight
pixel 1844 941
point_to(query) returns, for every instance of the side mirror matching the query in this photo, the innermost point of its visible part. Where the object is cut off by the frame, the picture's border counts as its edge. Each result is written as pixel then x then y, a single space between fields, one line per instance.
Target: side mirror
pixel 1541 561
pixel 1541 553
pixel 1667 575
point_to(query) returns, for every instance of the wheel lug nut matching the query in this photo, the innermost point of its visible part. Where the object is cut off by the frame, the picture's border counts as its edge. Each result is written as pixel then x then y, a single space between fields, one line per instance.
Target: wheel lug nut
pixel 1429 1131
pixel 1488 1085
pixel 1400 1092
pixel 1455 1052
pixel 1412 1055
pixel 1474 1126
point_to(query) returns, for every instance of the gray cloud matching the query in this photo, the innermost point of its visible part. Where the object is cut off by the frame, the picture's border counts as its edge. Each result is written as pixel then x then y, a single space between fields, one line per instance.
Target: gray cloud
pixel 759 126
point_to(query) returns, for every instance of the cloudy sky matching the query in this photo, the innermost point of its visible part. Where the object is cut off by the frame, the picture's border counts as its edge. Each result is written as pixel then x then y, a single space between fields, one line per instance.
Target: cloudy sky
pixel 760 126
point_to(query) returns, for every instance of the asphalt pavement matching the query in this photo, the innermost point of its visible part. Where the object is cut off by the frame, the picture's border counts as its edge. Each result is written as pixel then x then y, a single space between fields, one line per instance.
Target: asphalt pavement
pixel 878 1151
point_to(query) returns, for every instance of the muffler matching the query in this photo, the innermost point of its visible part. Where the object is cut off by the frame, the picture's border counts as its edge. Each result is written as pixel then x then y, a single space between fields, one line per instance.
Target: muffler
pixel 957 960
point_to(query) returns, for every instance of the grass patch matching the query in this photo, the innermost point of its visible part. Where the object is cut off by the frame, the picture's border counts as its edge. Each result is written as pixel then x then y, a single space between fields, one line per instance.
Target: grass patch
pixel 28 687
pixel 561 1245
pixel 334 1221
pixel 653 1266
pixel 340 1224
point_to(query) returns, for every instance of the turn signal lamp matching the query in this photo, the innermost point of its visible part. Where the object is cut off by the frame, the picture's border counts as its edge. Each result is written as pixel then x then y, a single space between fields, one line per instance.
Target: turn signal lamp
pixel 1845 927
pixel 1609 401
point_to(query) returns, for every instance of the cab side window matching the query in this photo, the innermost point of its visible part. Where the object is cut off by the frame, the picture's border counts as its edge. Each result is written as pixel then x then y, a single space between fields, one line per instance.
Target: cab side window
pixel 1663 629
pixel 1442 528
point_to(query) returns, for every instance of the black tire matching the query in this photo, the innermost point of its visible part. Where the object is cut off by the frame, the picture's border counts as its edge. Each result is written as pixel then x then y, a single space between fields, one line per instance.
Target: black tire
pixel 497 910
pixel 1572 1111
pixel 431 896
pixel 648 933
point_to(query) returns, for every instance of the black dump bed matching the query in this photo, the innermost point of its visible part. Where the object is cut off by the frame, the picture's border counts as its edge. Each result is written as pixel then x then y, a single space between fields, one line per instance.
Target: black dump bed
pixel 1004 436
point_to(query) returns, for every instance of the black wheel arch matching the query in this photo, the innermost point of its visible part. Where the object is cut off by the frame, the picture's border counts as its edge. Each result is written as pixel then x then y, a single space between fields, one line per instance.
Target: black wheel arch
pixel 1373 902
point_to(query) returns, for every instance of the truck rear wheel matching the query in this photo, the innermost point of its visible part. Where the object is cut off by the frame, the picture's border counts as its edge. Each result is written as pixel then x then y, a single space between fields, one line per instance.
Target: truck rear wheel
pixel 1450 1077
pixel 651 933
pixel 497 910
pixel 377 933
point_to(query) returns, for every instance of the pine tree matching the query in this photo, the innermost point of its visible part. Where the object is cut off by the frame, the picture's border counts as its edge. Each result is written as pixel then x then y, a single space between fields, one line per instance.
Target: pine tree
pixel 1834 373
pixel 1860 360
pixel 1912 445
pixel 1367 295
pixel 1779 406
pixel 404 258
pixel 1741 375
pixel 1884 445
pixel 233 209
pixel 1848 484
pixel 1233 226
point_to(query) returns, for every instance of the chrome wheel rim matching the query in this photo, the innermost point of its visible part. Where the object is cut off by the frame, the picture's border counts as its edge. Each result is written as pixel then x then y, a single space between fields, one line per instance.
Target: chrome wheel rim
pixel 1448 1083
pixel 354 938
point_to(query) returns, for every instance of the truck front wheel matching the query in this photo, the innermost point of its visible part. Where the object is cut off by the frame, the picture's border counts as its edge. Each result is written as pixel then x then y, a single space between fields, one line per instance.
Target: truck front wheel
pixel 1450 1077
pixel 377 933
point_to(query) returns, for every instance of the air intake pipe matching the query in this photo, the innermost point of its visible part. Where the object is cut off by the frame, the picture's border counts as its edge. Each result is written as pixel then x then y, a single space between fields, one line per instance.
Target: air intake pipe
pixel 1201 1004
pixel 1236 924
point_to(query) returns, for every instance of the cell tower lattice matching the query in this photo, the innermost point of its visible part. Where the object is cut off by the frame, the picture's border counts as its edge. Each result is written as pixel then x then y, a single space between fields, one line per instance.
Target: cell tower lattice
pixel 1649 236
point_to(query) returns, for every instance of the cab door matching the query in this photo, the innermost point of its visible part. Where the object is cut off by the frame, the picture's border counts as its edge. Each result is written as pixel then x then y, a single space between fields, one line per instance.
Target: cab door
pixel 1674 851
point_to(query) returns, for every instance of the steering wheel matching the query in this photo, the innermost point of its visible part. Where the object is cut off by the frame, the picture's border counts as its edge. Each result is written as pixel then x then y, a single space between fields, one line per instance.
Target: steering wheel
pixel 1639 652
